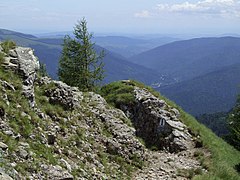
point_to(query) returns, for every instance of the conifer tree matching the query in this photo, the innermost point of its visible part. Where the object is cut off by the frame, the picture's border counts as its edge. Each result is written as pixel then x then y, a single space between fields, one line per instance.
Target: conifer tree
pixel 80 65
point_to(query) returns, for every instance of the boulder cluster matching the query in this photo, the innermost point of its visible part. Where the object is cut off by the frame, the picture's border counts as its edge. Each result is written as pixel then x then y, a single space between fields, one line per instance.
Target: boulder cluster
pixel 158 123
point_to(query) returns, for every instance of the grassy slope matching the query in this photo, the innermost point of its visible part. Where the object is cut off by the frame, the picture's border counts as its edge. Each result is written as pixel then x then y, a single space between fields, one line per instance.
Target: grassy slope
pixel 223 156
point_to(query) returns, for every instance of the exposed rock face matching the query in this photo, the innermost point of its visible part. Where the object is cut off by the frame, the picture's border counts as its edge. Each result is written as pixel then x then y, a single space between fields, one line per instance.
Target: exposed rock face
pixel 123 142
pixel 5 86
pixel 157 122
pixel 67 96
pixel 58 173
pixel 23 61
pixel 28 64
pixel 4 176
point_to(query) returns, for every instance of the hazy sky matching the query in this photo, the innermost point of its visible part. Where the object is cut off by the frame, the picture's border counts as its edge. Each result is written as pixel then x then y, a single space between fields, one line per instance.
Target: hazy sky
pixel 122 16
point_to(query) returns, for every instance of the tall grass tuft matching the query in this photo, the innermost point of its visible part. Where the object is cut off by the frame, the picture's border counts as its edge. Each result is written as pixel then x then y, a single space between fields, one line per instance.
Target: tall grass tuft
pixel 8 45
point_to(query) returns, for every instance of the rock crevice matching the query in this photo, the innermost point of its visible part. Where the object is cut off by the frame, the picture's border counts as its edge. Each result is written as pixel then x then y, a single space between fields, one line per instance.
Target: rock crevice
pixel 157 123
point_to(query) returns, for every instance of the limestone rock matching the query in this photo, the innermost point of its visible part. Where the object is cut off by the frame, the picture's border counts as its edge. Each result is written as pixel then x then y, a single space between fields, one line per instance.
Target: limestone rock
pixel 4 176
pixel 44 80
pixel 12 53
pixel 23 153
pixel 157 123
pixel 68 97
pixel 23 61
pixel 123 142
pixel 7 85
pixel 28 63
pixel 58 173
pixel 3 146
pixel 1 49
pixel 90 137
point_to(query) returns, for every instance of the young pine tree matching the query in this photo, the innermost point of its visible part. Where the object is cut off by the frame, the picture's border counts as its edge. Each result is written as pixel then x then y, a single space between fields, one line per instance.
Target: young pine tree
pixel 80 65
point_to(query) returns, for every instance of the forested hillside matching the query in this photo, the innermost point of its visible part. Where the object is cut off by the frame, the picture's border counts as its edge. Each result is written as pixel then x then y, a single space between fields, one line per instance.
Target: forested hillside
pixel 187 59
pixel 116 67
pixel 210 93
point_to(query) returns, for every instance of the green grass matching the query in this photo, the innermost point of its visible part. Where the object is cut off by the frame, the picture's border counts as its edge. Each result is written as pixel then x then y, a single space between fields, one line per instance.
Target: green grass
pixel 43 103
pixel 1 58
pixel 8 45
pixel 118 93
pixel 23 120
pixel 223 156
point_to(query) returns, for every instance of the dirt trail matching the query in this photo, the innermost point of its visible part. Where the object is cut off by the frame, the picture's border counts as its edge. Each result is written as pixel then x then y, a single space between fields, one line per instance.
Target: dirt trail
pixel 163 165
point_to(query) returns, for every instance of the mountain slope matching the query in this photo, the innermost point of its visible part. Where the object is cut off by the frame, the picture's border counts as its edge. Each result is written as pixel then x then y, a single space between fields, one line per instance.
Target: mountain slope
pixel 191 58
pixel 210 93
pixel 5 32
pixel 128 47
pixel 47 53
pixel 116 67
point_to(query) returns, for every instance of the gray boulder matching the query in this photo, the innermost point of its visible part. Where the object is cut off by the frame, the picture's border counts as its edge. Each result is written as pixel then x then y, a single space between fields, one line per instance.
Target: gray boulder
pixel 28 64
pixel 3 146
pixel 123 141
pixel 23 61
pixel 4 176
pixel 67 96
pixel 58 173
pixel 157 123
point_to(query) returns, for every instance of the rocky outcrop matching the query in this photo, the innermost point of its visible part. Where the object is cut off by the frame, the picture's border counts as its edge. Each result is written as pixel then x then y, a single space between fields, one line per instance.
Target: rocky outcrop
pixel 123 141
pixel 6 86
pixel 4 176
pixel 23 61
pixel 62 94
pixel 157 123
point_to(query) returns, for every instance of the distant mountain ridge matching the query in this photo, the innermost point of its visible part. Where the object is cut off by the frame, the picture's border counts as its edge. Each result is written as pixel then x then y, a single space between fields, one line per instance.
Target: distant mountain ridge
pixel 9 33
pixel 191 58
pixel 128 47
pixel 213 92
pixel 116 67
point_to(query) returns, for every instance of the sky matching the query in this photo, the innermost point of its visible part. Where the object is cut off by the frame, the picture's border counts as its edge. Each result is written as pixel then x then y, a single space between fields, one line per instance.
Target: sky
pixel 123 16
